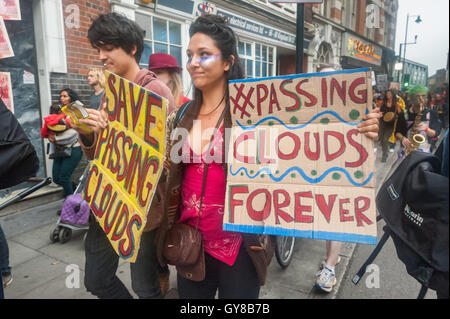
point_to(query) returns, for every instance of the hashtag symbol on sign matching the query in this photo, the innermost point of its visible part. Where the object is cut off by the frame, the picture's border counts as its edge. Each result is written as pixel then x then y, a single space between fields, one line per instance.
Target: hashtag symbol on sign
pixel 236 101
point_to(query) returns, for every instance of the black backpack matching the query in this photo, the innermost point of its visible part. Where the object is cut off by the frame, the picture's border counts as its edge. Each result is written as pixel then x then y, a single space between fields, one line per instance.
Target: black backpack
pixel 414 203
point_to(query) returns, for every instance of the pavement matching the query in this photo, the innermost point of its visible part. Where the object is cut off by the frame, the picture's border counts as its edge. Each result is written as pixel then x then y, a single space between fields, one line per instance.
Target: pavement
pixel 45 270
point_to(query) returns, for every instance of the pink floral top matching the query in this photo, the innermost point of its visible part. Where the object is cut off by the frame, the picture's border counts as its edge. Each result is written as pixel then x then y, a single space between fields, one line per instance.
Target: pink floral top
pixel 220 244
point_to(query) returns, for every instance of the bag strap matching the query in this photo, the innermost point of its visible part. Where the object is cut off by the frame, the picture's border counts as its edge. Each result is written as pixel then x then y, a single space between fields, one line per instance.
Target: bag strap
pixel 205 171
pixel 180 113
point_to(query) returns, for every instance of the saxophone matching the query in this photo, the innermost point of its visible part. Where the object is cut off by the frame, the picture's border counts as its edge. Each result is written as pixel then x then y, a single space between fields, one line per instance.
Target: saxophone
pixel 415 138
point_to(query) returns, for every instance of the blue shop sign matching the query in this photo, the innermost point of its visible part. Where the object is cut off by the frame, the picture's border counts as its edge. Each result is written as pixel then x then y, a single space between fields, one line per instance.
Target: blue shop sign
pixel 186 6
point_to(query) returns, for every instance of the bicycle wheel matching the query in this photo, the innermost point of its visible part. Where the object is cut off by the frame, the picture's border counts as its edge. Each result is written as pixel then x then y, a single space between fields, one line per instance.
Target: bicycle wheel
pixel 284 250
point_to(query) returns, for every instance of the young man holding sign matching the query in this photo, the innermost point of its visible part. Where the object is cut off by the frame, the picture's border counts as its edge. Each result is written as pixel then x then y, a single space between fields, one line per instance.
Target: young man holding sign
pixel 119 42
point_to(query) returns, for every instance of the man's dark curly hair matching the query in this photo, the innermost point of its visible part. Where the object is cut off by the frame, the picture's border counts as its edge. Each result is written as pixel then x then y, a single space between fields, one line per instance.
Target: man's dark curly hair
pixel 119 31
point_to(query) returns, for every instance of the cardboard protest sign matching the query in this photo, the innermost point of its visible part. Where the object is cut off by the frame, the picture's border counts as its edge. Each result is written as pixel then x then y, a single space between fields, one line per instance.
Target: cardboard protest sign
pixel 128 163
pixel 297 165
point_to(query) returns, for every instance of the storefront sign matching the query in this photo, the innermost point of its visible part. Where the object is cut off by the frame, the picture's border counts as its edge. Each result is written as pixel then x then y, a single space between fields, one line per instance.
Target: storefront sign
pixel 244 24
pixel 128 163
pixel 360 49
pixel 297 164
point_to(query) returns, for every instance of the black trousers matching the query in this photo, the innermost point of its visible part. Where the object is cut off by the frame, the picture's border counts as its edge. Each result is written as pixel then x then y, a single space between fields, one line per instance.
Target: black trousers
pixel 102 261
pixel 239 281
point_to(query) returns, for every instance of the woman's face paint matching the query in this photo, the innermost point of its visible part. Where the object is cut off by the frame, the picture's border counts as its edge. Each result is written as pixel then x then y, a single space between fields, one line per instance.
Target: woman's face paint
pixel 205 61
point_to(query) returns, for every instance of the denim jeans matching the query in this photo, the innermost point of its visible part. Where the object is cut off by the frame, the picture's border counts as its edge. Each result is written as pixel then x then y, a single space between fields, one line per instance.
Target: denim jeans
pixel 102 262
pixel 4 254
pixel 63 168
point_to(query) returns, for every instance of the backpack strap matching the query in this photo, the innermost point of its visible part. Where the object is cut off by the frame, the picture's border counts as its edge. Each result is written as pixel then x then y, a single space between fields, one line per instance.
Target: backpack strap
pixel 180 113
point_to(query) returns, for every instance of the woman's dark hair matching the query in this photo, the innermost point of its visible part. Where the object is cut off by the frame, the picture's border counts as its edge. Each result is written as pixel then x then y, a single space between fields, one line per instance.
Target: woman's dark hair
pixel 394 98
pixel 72 94
pixel 55 108
pixel 119 31
pixel 225 39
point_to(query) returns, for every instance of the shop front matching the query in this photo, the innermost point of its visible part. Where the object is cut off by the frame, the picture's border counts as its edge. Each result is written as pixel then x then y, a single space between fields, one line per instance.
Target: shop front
pixel 264 50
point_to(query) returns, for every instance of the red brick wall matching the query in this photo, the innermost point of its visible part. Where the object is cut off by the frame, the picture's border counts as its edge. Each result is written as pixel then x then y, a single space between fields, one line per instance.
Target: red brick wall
pixel 80 55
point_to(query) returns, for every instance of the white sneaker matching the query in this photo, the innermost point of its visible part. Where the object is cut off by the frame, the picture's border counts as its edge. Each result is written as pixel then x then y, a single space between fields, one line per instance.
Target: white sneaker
pixel 7 280
pixel 326 279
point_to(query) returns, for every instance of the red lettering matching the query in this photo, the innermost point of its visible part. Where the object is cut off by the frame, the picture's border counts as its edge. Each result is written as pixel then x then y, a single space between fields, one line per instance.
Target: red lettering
pixel 122 104
pixel 241 138
pixel 359 211
pixel 262 214
pixel 126 140
pixel 324 93
pixel 152 101
pixel 111 81
pixel 109 146
pixel 94 169
pixel 312 98
pixel 136 107
pixel 260 99
pixel 329 157
pixel 343 211
pixel 108 222
pixel 334 86
pixel 262 148
pixel 236 202
pixel 362 98
pixel 122 219
pixel 295 150
pixel 104 203
pixel 102 139
pixel 277 206
pixel 310 155
pixel 135 220
pixel 363 155
pixel 325 208
pixel 273 99
pixel 299 209
pixel 292 95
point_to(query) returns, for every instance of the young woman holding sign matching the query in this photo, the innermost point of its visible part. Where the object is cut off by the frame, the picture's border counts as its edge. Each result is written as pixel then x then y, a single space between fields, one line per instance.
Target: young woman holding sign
pixel 236 263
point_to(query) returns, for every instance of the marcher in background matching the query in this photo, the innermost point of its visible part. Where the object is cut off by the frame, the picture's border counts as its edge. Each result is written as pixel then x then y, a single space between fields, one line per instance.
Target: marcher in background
pixel 96 79
pixel 120 43
pixel 66 151
pixel 167 70
pixel 390 109
pixel 67 96
pixel 428 125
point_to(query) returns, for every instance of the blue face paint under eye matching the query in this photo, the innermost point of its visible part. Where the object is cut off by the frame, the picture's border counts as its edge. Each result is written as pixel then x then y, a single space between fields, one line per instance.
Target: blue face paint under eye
pixel 205 60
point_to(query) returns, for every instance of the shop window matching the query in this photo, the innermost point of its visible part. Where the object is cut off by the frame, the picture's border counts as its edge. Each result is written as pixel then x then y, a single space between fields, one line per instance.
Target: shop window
pixel 256 59
pixel 161 36
pixel 324 55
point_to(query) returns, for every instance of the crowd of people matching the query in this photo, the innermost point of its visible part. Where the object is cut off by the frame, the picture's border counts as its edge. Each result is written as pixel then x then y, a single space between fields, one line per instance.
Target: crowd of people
pixel 399 122
pixel 235 263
